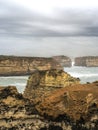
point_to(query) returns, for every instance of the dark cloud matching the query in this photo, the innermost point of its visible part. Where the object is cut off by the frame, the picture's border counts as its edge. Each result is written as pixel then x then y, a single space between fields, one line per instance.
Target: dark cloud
pixel 26 32
pixel 17 22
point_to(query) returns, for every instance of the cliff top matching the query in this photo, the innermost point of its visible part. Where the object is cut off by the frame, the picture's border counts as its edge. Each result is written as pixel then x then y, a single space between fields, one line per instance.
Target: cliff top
pixel 61 56
pixel 87 57
pixel 23 57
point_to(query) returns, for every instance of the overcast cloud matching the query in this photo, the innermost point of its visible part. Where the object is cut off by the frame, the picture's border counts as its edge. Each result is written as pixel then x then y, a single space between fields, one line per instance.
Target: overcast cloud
pixel 46 28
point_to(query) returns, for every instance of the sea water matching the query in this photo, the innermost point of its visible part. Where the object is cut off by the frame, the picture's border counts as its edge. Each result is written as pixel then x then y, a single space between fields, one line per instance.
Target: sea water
pixel 18 81
pixel 86 74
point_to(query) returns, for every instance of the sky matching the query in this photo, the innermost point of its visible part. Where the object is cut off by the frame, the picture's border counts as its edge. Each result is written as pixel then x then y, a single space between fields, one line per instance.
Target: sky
pixel 49 27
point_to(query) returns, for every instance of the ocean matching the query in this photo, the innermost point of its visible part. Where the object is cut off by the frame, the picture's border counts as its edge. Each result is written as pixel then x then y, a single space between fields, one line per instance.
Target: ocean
pixel 86 74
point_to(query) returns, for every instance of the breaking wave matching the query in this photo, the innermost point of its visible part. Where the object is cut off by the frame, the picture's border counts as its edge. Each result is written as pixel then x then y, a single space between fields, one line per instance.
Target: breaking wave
pixel 18 81
pixel 82 75
pixel 86 74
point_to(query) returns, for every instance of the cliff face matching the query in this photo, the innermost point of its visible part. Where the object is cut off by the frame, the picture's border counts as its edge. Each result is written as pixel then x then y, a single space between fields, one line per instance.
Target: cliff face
pixel 90 61
pixel 10 65
pixel 63 60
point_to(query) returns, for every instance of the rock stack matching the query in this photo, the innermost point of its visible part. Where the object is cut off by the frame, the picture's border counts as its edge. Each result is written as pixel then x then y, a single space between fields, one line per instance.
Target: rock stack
pixel 43 82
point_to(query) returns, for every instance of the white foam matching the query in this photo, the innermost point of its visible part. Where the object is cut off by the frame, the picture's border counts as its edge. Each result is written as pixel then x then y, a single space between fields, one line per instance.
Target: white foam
pixel 14 77
pixel 73 63
pixel 82 75
pixel 18 84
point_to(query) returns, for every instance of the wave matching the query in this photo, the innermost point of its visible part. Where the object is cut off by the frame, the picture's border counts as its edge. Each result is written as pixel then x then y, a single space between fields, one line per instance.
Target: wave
pixel 83 75
pixel 18 84
pixel 14 77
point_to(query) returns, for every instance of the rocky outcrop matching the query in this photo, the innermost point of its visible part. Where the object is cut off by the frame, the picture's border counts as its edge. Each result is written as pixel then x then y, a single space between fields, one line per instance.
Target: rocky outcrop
pixel 41 82
pixel 73 102
pixel 59 101
pixel 17 112
pixel 89 61
pixel 63 60
pixel 53 100
pixel 11 65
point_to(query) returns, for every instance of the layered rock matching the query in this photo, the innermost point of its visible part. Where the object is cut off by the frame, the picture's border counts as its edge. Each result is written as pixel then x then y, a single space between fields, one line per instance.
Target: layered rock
pixel 17 112
pixel 89 61
pixel 63 60
pixel 41 82
pixel 11 65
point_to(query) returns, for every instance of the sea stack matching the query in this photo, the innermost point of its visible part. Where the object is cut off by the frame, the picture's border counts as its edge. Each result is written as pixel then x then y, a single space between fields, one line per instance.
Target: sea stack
pixel 46 81
pixel 64 61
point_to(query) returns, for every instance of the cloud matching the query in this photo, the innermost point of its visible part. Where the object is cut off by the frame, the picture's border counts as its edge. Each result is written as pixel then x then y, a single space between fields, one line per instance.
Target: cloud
pixel 49 46
pixel 59 30
pixel 16 21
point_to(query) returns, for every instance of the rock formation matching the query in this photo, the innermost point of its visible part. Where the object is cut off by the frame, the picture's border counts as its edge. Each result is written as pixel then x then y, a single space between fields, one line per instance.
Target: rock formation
pixel 41 82
pixel 88 61
pixel 17 112
pixel 53 100
pixel 63 60
pixel 11 65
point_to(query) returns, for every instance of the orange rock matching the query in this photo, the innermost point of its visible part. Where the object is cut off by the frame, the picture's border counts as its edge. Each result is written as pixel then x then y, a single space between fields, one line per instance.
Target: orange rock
pixel 74 101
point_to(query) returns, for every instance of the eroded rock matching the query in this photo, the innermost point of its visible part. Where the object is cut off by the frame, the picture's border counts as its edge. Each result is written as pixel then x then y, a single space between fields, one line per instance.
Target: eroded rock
pixel 53 100
pixel 43 82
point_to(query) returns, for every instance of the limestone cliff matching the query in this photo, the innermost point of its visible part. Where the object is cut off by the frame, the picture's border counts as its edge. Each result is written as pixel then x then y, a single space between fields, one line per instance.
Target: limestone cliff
pixel 63 60
pixel 11 65
pixel 89 61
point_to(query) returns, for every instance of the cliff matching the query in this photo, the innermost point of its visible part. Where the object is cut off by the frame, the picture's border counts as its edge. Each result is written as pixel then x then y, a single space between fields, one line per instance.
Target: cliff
pixel 63 60
pixel 89 61
pixel 11 65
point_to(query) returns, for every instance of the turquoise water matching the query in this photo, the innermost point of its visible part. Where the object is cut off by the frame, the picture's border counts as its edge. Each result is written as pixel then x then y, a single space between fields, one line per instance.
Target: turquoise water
pixel 85 74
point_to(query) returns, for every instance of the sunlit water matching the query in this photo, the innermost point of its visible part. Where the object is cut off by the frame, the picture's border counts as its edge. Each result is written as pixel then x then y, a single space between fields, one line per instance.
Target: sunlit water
pixel 86 74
